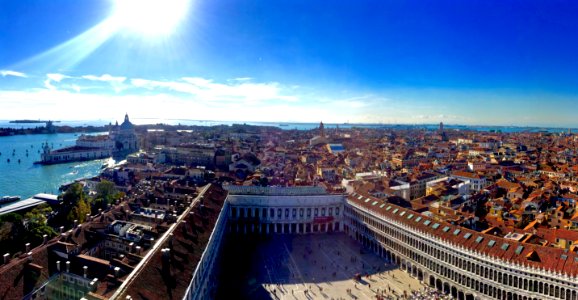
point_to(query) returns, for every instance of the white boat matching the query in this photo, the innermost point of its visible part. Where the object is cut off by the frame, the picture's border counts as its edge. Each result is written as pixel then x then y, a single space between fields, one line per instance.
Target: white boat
pixel 9 199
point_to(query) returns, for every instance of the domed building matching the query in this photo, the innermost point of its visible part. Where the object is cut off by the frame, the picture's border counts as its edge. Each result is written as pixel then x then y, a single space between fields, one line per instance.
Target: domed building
pixel 124 136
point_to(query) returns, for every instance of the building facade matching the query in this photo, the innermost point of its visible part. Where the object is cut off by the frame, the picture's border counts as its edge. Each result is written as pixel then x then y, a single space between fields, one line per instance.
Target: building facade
pixel 464 263
pixel 298 210
pixel 120 139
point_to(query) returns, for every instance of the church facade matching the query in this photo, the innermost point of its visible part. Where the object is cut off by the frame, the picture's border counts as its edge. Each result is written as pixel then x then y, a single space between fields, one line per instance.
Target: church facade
pixel 121 139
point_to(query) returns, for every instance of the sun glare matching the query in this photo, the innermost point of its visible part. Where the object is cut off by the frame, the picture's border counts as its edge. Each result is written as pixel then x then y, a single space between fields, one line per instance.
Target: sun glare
pixel 149 17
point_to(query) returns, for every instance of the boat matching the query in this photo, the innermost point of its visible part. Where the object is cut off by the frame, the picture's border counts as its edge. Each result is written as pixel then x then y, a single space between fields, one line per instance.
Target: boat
pixel 9 199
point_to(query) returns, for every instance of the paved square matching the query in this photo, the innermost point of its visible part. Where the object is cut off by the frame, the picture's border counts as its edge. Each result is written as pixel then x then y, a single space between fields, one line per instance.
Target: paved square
pixel 317 266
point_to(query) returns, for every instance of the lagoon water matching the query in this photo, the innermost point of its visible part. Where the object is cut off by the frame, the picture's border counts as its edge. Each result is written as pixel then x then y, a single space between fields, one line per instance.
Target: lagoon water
pixel 26 179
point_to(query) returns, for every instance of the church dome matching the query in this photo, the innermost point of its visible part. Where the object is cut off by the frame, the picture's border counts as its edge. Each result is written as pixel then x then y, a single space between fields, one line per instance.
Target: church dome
pixel 126 125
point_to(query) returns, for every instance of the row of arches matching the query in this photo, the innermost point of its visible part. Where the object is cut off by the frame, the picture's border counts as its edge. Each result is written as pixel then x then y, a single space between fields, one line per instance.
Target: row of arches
pixel 464 271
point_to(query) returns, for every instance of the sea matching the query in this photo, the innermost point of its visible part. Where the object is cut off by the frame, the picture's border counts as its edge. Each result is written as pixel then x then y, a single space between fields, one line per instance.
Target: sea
pixel 19 176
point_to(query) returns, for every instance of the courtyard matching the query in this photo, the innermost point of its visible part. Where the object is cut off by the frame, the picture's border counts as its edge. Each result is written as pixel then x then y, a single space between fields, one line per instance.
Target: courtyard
pixel 313 266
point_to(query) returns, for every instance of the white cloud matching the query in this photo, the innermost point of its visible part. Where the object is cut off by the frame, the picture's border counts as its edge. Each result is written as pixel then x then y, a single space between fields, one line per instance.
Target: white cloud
pixel 57 77
pixel 5 73
pixel 242 79
pixel 207 90
pixel 105 77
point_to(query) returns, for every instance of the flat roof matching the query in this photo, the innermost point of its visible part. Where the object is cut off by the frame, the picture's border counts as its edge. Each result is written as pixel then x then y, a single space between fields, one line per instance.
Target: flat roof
pixel 27 203
pixel 22 204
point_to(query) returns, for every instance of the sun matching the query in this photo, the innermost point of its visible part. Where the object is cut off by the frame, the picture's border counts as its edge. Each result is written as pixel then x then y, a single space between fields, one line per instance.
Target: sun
pixel 149 17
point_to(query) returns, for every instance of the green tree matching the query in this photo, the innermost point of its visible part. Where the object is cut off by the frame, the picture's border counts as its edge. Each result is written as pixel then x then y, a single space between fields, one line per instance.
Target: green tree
pixel 36 224
pixel 12 233
pixel 106 193
pixel 73 194
pixel 74 206
pixel 78 212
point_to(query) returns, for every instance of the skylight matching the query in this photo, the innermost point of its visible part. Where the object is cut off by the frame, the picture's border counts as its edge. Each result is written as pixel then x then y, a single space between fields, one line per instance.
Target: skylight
pixel 446 229
pixel 457 231
pixel 395 210
pixel 402 213
pixel 491 243
pixel 388 208
pixel 505 246
pixel 367 200
pixel 426 222
pixel 467 235
pixel 418 219
pixel 479 239
pixel 374 203
pixel 564 256
pixel 410 216
pixel 519 249
pixel 382 205
pixel 435 226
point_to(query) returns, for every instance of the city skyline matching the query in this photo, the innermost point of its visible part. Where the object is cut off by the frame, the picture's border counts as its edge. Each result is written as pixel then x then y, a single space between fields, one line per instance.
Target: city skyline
pixel 475 63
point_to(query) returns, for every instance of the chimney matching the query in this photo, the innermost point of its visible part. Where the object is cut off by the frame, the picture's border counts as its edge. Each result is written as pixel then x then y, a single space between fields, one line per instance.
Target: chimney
pixel 58 266
pixel 29 256
pixel 68 266
pixel 138 250
pixel 131 247
pixel 116 272
pixel 27 247
pixel 88 218
pixel 45 239
pixel 94 284
pixel 6 258
pixel 75 223
pixel 61 229
pixel 85 268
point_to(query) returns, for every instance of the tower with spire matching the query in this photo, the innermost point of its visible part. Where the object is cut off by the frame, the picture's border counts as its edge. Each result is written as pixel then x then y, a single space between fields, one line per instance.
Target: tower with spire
pixel 321 129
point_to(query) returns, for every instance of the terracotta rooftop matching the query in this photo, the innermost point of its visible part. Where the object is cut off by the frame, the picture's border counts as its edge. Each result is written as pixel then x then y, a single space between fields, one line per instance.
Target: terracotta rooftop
pixel 542 257
pixel 162 277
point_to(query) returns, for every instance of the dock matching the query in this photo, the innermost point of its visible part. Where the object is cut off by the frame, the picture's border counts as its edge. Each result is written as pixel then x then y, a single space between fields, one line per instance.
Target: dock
pixel 29 203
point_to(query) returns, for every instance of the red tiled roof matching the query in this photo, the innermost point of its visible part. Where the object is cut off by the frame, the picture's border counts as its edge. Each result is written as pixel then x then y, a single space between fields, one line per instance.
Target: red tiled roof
pixel 189 240
pixel 554 259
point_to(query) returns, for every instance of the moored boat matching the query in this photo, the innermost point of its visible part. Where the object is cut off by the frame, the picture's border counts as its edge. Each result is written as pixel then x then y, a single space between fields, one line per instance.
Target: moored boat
pixel 9 199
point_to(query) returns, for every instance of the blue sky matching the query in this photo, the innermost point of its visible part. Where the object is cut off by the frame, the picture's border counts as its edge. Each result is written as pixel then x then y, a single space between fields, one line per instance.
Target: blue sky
pixel 460 62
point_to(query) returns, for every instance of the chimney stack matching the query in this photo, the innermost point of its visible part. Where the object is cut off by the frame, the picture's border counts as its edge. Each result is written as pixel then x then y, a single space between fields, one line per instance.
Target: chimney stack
pixel 116 272
pixel 61 229
pixel 68 266
pixel 58 266
pixel 85 268
pixel 94 284
pixel 27 247
pixel 6 258
pixel 45 239
pixel 138 250
pixel 75 223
